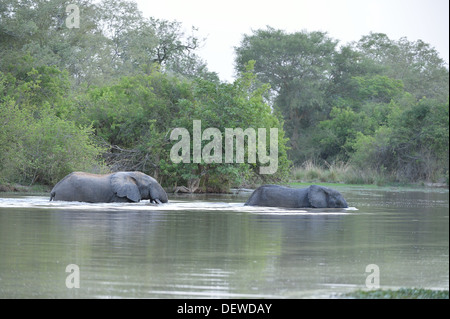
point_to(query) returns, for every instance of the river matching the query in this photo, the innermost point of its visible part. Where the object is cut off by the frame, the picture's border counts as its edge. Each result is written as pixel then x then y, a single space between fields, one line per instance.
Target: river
pixel 211 246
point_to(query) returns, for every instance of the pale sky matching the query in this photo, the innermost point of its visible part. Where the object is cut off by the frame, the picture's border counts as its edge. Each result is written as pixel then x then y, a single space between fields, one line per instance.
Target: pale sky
pixel 224 22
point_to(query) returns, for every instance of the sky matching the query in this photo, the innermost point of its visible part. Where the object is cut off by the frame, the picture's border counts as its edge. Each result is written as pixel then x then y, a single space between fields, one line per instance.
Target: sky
pixel 224 22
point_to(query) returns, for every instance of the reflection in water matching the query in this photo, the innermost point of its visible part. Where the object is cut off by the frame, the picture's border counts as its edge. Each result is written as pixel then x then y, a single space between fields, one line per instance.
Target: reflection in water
pixel 214 247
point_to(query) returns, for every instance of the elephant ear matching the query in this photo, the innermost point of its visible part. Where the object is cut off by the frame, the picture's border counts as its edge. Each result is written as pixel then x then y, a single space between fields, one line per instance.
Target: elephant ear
pixel 124 185
pixel 318 196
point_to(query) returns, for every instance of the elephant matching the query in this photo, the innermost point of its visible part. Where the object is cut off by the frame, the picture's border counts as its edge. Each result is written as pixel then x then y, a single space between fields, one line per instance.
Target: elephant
pixel 108 188
pixel 313 196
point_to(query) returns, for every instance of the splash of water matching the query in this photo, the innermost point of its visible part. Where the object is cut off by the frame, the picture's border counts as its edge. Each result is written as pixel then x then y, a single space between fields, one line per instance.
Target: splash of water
pixel 173 205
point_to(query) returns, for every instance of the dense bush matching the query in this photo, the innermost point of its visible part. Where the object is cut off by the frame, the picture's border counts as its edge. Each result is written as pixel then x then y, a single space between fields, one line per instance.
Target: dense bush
pixel 413 145
pixel 136 117
pixel 37 145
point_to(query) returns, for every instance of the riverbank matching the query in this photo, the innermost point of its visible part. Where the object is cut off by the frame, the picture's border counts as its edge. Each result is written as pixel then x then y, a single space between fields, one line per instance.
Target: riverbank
pixel 336 175
pixel 44 189
pixel 402 293
pixel 344 173
pixel 17 188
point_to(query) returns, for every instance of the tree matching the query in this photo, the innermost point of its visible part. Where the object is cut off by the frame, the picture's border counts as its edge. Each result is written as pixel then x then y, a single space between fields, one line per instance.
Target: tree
pixel 369 102
pixel 38 143
pixel 113 40
pixel 347 64
pixel 412 146
pixel 38 28
pixel 423 72
pixel 298 68
pixel 236 106
pixel 136 117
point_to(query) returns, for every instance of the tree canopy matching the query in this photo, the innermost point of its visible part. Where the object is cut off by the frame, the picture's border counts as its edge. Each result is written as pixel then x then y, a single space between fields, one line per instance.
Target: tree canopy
pixel 106 95
pixel 350 103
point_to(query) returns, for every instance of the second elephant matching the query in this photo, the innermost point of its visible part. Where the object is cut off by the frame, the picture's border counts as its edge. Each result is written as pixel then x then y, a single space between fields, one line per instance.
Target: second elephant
pixel 313 196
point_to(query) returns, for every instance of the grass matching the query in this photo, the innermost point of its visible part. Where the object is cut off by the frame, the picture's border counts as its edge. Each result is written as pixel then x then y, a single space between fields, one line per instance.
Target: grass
pixel 342 173
pixel 338 172
pixel 17 188
pixel 402 293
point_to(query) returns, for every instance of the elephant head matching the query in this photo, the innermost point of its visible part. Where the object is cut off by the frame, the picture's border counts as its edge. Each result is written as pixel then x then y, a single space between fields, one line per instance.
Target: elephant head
pixel 322 197
pixel 136 186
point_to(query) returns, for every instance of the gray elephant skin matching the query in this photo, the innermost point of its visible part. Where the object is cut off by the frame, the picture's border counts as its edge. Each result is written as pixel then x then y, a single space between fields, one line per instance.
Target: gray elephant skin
pixel 115 187
pixel 313 196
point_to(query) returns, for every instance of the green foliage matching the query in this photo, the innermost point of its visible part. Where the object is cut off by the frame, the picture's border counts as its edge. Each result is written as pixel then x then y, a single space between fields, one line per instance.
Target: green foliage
pixel 37 144
pixel 125 82
pixel 49 131
pixel 339 133
pixel 239 105
pixel 413 145
pixel 377 89
pixel 416 64
pixel 113 39
pixel 366 108
pixel 46 149
pixel 364 103
pixel 32 85
pixel 296 66
pixel 137 115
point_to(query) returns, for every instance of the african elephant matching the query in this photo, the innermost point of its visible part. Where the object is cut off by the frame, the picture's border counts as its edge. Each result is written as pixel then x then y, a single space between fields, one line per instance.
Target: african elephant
pixel 115 187
pixel 280 196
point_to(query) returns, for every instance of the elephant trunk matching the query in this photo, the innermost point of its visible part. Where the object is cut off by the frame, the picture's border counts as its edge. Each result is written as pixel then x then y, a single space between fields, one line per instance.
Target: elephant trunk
pixel 158 195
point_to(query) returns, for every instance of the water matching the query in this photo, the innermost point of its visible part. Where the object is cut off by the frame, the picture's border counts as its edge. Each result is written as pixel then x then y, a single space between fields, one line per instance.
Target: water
pixel 211 246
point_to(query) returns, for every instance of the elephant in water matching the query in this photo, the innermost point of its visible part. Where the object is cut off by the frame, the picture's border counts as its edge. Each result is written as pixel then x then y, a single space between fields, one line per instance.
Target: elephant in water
pixel 115 187
pixel 280 196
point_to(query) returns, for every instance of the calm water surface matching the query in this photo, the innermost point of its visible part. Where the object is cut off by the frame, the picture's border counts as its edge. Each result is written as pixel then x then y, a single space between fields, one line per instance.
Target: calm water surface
pixel 211 246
